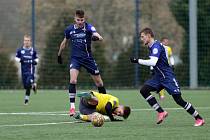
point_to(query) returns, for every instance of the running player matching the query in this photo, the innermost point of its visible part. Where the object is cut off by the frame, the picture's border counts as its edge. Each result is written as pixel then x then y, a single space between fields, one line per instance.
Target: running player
pixel 163 78
pixel 27 56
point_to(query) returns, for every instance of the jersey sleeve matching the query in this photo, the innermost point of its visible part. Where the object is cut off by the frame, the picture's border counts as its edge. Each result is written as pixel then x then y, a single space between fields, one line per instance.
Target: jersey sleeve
pixel 67 33
pixel 169 52
pixel 91 28
pixel 114 102
pixel 155 50
pixel 35 55
pixel 18 54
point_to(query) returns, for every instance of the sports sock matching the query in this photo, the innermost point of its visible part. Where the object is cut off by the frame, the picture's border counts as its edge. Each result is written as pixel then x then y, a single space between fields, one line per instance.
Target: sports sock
pixel 102 90
pixel 145 92
pixel 187 106
pixel 27 95
pixel 153 103
pixel 72 94
pixel 72 105
pixel 190 109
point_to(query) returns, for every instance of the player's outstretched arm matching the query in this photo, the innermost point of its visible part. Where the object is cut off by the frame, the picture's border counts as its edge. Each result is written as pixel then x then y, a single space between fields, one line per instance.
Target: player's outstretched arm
pixel 150 62
pixel 96 37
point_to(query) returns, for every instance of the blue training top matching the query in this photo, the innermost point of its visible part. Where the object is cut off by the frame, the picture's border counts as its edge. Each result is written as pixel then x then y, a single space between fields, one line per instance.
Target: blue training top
pixel 162 68
pixel 80 39
pixel 27 56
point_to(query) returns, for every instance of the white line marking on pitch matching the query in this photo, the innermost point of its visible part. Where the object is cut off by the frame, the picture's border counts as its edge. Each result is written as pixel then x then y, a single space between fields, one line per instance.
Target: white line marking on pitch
pixel 56 113
pixel 37 124
pixel 65 113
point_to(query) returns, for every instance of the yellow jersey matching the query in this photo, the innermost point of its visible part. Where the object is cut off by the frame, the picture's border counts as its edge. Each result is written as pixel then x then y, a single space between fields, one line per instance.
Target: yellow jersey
pixel 103 99
pixel 169 54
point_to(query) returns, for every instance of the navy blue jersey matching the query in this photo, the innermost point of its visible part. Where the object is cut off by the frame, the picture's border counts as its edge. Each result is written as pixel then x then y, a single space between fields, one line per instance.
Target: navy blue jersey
pixel 164 76
pixel 27 56
pixel 162 67
pixel 80 39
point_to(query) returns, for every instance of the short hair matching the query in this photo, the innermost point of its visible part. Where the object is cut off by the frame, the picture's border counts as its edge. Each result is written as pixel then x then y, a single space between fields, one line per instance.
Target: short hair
pixel 127 111
pixel 27 36
pixel 163 38
pixel 147 31
pixel 80 13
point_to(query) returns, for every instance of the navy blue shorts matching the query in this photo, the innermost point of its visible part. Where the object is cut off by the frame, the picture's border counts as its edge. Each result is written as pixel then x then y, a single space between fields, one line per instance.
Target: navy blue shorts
pixel 169 84
pixel 27 79
pixel 88 63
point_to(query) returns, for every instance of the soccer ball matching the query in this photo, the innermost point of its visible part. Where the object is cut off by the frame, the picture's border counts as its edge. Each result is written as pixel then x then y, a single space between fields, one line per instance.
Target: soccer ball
pixel 97 120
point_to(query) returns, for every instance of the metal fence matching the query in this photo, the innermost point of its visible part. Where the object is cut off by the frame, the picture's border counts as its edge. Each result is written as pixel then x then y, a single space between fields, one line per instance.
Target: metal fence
pixel 117 21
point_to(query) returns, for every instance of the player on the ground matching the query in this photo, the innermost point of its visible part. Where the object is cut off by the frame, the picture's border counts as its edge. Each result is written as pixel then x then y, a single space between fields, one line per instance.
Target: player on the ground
pixel 163 78
pixel 104 104
pixel 81 34
pixel 169 55
pixel 27 56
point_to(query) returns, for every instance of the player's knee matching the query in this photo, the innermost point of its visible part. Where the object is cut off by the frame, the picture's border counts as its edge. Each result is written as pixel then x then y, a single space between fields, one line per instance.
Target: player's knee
pixel 73 81
pixel 145 89
pixel 99 84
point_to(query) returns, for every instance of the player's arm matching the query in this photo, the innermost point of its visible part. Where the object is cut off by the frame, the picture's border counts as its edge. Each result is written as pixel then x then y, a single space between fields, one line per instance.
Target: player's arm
pixel 63 44
pixel 149 62
pixel 108 109
pixel 18 57
pixel 109 112
pixel 171 58
pixel 35 59
pixel 96 37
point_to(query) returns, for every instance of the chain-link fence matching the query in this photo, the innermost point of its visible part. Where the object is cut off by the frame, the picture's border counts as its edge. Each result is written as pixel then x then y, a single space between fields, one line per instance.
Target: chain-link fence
pixel 115 21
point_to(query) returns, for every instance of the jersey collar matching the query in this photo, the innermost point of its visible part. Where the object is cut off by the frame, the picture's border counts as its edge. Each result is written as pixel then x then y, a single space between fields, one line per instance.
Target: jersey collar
pixel 27 48
pixel 150 46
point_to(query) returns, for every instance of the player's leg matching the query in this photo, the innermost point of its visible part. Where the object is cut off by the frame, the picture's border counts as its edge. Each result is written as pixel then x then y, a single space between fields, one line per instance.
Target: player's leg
pixel 199 121
pixel 33 84
pixel 27 95
pixel 173 89
pixel 99 83
pixel 86 109
pixel 91 67
pixel 145 92
pixel 162 94
pixel 27 86
pixel 72 90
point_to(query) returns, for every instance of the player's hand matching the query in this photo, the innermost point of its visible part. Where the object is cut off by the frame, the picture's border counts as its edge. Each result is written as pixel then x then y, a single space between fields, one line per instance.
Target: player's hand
pixel 116 120
pixel 173 67
pixel 95 38
pixel 133 60
pixel 21 61
pixel 152 72
pixel 60 59
pixel 34 62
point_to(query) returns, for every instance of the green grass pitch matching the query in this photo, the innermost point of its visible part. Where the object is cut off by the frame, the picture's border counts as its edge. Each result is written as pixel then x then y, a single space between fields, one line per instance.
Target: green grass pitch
pixel 45 118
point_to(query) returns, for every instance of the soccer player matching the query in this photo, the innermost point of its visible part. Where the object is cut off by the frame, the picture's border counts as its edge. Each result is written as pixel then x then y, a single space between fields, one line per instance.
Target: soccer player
pixel 27 56
pixel 163 78
pixel 81 34
pixel 169 55
pixel 104 104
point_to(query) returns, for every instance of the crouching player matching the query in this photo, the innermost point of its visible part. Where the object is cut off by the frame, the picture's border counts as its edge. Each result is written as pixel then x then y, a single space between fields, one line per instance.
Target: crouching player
pixel 104 104
pixel 27 56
